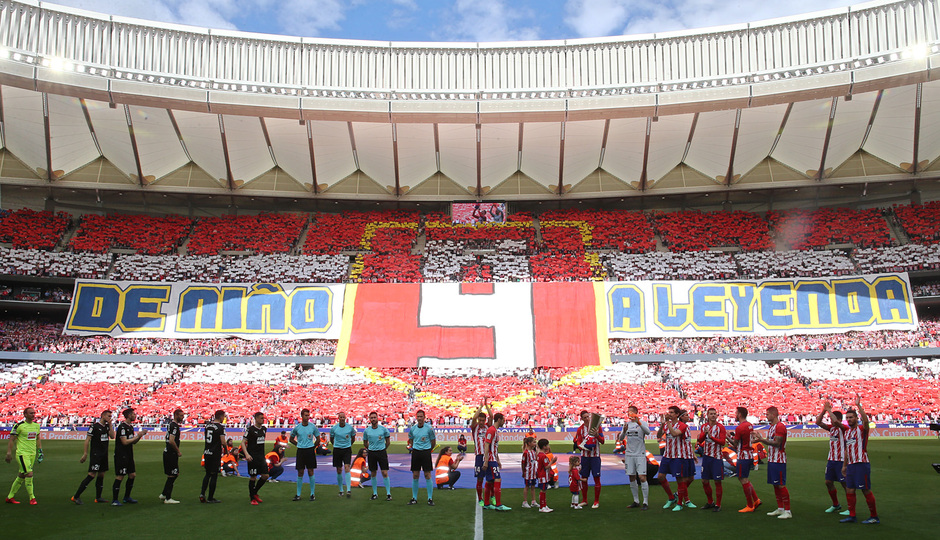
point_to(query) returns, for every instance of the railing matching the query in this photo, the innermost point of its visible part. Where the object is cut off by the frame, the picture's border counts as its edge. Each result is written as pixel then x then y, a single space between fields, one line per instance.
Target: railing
pixel 845 39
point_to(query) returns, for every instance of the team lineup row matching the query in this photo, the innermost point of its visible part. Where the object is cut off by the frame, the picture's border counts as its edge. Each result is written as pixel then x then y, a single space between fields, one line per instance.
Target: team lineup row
pixel 847 464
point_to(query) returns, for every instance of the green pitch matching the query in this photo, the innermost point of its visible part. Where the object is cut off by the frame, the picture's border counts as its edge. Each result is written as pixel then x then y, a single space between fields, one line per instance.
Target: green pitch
pixel 905 485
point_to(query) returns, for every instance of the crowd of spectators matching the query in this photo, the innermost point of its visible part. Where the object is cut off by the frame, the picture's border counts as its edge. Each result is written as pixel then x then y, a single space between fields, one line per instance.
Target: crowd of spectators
pixel 147 235
pixel 397 246
pixel 70 394
pixel 263 233
pixel 35 262
pixel 29 229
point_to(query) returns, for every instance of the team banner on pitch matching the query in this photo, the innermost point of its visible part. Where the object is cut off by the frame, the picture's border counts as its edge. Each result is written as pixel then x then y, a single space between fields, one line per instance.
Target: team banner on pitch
pixel 206 310
pixel 761 307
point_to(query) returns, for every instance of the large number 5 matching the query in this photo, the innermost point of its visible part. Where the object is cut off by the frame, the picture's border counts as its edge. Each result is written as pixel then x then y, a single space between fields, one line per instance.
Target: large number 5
pixel 209 437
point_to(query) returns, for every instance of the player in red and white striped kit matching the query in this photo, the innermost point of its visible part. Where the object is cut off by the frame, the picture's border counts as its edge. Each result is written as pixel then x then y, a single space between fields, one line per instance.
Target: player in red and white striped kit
pixel 712 437
pixel 529 472
pixel 856 468
pixel 776 442
pixel 678 459
pixel 589 442
pixel 836 430
pixel 481 422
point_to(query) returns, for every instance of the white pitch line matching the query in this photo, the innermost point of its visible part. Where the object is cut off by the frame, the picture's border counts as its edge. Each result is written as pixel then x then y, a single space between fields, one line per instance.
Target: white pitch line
pixel 477 520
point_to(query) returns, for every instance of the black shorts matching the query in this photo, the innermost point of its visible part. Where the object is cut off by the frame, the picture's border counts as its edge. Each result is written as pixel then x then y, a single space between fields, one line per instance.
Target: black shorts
pixel 98 463
pixel 378 460
pixel 342 456
pixel 306 458
pixel 257 466
pixel 171 464
pixel 213 463
pixel 421 461
pixel 124 466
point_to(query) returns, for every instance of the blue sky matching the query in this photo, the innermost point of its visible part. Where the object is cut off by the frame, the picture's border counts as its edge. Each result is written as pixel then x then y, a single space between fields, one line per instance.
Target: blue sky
pixel 455 20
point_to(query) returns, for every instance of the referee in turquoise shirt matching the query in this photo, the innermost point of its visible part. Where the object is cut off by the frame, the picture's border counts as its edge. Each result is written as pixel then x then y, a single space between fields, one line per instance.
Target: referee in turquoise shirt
pixel 305 436
pixel 342 435
pixel 421 436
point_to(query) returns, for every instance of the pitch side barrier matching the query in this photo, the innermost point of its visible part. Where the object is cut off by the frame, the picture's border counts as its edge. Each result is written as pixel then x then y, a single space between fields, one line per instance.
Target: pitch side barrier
pixel 449 434
pixel 554 324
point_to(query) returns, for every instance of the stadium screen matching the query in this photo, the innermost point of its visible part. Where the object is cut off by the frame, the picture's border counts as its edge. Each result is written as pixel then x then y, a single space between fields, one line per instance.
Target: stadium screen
pixel 489 212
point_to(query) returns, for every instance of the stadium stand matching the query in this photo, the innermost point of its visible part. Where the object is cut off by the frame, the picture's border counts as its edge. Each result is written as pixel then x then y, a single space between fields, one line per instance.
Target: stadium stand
pixel 787 264
pixel 263 233
pixel 921 223
pixel 660 265
pixel 698 231
pixel 147 235
pixel 28 229
pixel 815 229
pixel 34 262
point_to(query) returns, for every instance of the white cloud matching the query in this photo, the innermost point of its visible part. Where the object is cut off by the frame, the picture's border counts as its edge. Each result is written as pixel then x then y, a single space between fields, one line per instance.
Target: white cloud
pixel 488 20
pixel 294 17
pixel 592 18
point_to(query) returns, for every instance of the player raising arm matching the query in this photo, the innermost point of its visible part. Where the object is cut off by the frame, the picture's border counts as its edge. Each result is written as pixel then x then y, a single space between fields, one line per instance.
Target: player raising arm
pixel 836 430
pixel 124 457
pixel 856 468
pixel 481 422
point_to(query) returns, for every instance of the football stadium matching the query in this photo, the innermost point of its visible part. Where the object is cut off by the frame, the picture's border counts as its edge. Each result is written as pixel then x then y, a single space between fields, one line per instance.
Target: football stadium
pixel 679 283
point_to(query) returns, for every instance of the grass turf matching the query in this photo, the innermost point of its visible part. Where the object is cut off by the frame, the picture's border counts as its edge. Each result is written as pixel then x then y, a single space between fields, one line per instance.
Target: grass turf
pixel 904 483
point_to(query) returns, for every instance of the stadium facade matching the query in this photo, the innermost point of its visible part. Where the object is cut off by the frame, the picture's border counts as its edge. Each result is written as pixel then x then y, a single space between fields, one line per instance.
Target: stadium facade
pixel 835 107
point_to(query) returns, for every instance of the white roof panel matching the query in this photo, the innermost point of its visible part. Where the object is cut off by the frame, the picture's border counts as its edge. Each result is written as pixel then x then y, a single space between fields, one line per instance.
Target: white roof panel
pixel 756 134
pixel 374 148
pixel 541 144
pixel 71 141
pixel 582 149
pixel 157 143
pixel 929 149
pixel 848 128
pixel 459 152
pixel 333 151
pixel 291 149
pixel 710 151
pixel 113 136
pixel 623 156
pixel 801 144
pixel 416 159
pixel 203 139
pixel 892 132
pixel 247 150
pixel 668 139
pixel 23 126
pixel 499 153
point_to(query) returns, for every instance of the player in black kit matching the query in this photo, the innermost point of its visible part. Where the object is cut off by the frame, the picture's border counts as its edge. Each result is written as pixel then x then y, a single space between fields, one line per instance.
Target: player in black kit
pixel 171 457
pixel 99 436
pixel 124 441
pixel 253 448
pixel 212 455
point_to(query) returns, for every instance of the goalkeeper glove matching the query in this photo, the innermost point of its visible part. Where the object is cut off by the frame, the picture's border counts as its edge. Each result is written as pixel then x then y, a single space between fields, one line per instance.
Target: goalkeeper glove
pixel 40 457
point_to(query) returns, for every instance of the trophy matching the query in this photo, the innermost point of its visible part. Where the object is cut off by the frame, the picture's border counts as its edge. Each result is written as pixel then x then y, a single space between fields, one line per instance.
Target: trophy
pixel 594 427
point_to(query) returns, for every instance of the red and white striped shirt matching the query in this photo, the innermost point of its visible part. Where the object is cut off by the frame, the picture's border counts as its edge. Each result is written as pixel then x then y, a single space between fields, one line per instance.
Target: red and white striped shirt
pixel 530 465
pixel 708 435
pixel 477 433
pixel 742 435
pixel 856 444
pixel 837 442
pixel 491 441
pixel 678 447
pixel 777 454
pixel 581 436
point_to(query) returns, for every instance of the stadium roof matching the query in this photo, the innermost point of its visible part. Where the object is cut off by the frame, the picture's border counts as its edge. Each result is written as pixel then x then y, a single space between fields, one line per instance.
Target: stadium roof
pixel 835 98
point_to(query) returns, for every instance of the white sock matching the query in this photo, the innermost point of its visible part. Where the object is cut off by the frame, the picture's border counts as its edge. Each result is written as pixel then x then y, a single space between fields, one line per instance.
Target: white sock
pixel 646 492
pixel 635 490
pixel 574 498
